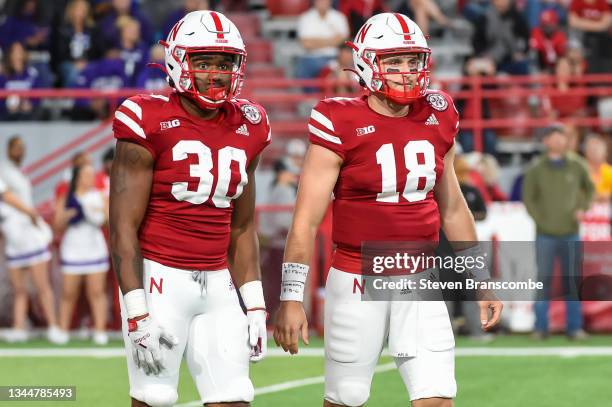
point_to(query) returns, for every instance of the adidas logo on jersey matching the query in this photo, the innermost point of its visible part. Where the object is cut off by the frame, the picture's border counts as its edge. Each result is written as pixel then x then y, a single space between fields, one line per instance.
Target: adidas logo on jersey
pixel 431 120
pixel 243 130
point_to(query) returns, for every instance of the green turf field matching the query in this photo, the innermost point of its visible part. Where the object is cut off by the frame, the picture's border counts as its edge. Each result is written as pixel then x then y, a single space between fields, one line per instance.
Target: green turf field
pixel 571 379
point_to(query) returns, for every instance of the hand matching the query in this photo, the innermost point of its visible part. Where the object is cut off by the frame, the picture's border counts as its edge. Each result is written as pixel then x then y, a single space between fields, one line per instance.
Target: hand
pixel 147 337
pixel 33 214
pixel 290 320
pixel 258 335
pixel 579 215
pixel 487 300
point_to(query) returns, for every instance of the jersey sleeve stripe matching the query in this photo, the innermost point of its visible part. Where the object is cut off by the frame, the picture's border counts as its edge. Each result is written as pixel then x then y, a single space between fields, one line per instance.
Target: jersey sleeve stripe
pixel 269 128
pixel 131 124
pixel 325 136
pixel 134 108
pixel 162 97
pixel 321 119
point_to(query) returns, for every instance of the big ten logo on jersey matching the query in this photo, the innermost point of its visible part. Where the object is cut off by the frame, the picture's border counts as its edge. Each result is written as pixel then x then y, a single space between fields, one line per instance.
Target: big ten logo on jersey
pixel 170 124
pixel 362 131
pixel 419 160
pixel 203 170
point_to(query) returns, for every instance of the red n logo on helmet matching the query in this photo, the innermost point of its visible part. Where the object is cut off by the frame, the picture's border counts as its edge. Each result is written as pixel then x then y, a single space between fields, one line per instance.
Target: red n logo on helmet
pixel 362 33
pixel 175 29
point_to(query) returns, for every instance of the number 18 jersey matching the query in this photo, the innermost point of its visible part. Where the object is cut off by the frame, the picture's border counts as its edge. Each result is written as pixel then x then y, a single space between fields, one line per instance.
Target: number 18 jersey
pixel 200 168
pixel 384 191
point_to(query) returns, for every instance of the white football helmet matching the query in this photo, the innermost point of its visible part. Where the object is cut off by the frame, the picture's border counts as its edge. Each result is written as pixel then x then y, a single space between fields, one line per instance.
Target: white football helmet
pixel 204 32
pixel 391 34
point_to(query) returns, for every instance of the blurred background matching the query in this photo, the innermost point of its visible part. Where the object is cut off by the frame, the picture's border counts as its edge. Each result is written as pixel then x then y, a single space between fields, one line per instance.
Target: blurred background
pixel 512 67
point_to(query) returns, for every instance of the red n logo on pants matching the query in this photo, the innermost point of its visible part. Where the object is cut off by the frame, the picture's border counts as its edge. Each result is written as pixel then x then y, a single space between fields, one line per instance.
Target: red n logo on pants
pixel 157 285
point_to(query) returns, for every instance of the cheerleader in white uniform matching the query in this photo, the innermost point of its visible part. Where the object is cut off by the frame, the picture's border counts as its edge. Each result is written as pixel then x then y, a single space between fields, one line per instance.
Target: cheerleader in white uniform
pixel 27 238
pixel 83 251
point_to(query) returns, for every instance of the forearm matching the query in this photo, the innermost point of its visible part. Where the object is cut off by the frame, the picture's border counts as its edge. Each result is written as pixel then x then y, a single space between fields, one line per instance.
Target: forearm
pixel 243 255
pixel 458 225
pixel 315 43
pixel 300 243
pixel 16 203
pixel 127 258
pixel 588 25
pixel 131 179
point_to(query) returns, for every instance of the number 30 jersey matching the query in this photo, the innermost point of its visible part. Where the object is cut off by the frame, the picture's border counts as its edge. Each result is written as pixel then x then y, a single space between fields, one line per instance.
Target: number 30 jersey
pixel 200 168
pixel 384 191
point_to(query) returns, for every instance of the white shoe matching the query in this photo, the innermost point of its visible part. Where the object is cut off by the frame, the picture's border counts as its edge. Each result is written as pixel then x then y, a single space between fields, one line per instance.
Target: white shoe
pixel 57 336
pixel 16 335
pixel 100 338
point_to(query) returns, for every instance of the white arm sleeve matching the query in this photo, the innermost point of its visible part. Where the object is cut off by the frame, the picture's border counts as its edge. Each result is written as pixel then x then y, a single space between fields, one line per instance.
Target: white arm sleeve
pixel 2 187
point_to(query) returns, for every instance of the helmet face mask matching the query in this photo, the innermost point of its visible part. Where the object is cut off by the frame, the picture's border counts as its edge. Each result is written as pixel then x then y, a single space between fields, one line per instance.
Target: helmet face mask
pixel 212 76
pixel 205 58
pixel 391 58
pixel 400 76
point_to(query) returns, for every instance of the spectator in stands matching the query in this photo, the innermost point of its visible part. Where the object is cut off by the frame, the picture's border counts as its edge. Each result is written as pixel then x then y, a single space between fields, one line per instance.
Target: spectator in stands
pixel 502 34
pixel 489 170
pixel 83 251
pixel 475 10
pixel 106 74
pixel 74 41
pixel 472 195
pixel 344 80
pixel 188 7
pixel 596 154
pixel 108 33
pixel 103 176
pixel 477 66
pixel 153 77
pixel 9 198
pixel 593 18
pixel 358 11
pixel 320 31
pixel 19 75
pixel 566 104
pixel 26 248
pixel 132 50
pixel 78 159
pixel 557 189
pixel 533 10
pixel 422 12
pixel 25 27
pixel 548 40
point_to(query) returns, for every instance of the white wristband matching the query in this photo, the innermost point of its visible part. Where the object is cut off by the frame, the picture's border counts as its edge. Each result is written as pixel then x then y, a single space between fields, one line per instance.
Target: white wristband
pixel 478 258
pixel 293 281
pixel 252 295
pixel 135 303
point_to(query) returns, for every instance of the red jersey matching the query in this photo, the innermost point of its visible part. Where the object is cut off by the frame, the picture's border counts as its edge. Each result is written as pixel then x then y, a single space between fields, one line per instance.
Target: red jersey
pixel 200 168
pixel 594 10
pixel 390 166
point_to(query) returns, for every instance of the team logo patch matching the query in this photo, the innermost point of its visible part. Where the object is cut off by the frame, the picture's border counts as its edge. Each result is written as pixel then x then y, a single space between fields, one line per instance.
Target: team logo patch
pixel 437 101
pixel 251 113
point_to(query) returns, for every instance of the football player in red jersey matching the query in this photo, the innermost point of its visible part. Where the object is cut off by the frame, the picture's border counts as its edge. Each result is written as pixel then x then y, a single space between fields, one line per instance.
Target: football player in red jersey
pixel 387 158
pixel 182 221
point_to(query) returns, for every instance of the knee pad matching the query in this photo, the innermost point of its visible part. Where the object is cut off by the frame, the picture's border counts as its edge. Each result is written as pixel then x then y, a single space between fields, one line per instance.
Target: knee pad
pixel 353 392
pixel 233 391
pixel 243 389
pixel 157 395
